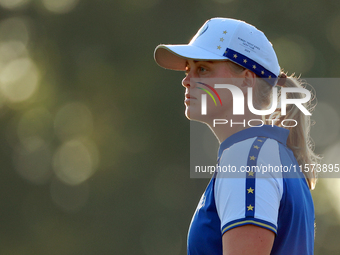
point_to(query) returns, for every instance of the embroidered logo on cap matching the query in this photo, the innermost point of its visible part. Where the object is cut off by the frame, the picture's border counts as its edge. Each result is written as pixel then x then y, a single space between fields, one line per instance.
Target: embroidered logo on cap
pixel 202 30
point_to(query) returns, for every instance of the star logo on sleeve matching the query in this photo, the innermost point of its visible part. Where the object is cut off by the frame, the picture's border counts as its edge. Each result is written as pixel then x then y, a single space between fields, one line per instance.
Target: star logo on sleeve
pixel 250 173
pixel 250 207
pixel 256 147
pixel 252 157
pixel 250 190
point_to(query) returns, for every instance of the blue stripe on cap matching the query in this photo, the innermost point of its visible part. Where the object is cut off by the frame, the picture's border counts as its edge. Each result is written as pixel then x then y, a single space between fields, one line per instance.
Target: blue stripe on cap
pixel 251 176
pixel 250 64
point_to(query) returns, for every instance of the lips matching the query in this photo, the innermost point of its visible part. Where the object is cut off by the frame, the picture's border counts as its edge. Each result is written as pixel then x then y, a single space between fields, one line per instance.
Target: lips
pixel 188 99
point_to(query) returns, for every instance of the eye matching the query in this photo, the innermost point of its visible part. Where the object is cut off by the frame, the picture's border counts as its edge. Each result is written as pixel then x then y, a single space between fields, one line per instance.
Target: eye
pixel 201 69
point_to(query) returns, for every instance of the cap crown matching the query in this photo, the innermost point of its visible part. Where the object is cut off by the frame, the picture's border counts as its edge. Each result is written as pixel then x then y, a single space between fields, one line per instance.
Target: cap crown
pixel 224 39
pixel 240 42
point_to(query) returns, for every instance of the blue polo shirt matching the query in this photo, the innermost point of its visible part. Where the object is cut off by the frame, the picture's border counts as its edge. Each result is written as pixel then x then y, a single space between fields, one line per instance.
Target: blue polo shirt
pixel 266 189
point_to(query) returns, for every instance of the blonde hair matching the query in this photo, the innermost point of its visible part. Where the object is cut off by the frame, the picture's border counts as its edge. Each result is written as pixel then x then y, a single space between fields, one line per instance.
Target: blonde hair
pixel 299 139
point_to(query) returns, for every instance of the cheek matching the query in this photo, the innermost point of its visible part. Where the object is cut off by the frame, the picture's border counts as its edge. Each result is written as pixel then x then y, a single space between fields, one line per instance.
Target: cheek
pixel 211 103
pixel 226 100
pixel 225 96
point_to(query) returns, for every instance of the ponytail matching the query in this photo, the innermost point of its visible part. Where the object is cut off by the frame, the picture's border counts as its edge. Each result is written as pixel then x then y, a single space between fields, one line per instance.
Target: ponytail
pixel 299 140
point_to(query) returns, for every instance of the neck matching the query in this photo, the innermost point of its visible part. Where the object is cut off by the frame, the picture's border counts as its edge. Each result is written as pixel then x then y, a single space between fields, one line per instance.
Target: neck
pixel 223 128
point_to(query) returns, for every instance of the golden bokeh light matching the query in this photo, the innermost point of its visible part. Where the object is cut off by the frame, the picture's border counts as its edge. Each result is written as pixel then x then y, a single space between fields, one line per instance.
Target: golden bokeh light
pixel 332 186
pixel 19 79
pixel 60 6
pixel 34 165
pixel 333 32
pixel 331 158
pixel 74 162
pixel 11 50
pixel 35 128
pixel 73 119
pixel 33 153
pixel 19 75
pixel 14 29
pixel 12 4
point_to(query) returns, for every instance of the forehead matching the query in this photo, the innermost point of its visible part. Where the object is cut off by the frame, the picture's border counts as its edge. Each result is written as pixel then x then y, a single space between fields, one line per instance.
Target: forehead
pixel 198 62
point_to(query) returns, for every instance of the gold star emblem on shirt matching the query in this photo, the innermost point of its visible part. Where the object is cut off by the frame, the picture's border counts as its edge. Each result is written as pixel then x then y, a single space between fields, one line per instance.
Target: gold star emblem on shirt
pixel 225 31
pixel 245 61
pixel 250 173
pixel 235 55
pixel 254 66
pixel 250 207
pixel 256 147
pixel 219 47
pixel 252 157
pixel 259 140
pixel 262 72
pixel 269 77
pixel 250 190
pixel 221 39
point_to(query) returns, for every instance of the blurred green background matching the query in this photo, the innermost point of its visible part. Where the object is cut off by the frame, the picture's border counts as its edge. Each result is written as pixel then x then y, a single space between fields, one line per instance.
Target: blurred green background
pixel 94 144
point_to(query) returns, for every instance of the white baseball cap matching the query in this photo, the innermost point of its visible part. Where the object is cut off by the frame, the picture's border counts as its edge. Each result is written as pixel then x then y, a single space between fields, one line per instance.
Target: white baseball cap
pixel 224 39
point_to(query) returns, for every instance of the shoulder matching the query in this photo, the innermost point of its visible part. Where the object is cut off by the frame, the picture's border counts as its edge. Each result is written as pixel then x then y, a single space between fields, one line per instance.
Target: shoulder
pixel 251 190
pixel 254 151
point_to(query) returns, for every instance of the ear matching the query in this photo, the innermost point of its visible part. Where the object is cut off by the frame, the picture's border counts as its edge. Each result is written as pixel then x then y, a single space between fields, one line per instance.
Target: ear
pixel 249 80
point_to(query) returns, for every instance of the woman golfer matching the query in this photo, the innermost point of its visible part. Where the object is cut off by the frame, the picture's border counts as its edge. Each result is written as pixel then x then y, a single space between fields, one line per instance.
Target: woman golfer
pixel 250 211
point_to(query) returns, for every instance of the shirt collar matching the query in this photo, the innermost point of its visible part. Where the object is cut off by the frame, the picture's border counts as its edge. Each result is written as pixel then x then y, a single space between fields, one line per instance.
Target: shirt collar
pixel 277 133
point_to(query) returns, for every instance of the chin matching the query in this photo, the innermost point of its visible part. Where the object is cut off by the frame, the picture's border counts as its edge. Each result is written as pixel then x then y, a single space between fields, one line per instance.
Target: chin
pixel 195 116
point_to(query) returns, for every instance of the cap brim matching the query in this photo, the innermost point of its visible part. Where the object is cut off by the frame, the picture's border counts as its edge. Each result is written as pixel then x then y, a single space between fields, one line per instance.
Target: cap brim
pixel 174 57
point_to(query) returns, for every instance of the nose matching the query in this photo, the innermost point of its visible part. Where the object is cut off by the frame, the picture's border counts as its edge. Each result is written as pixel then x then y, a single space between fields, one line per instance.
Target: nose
pixel 186 79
